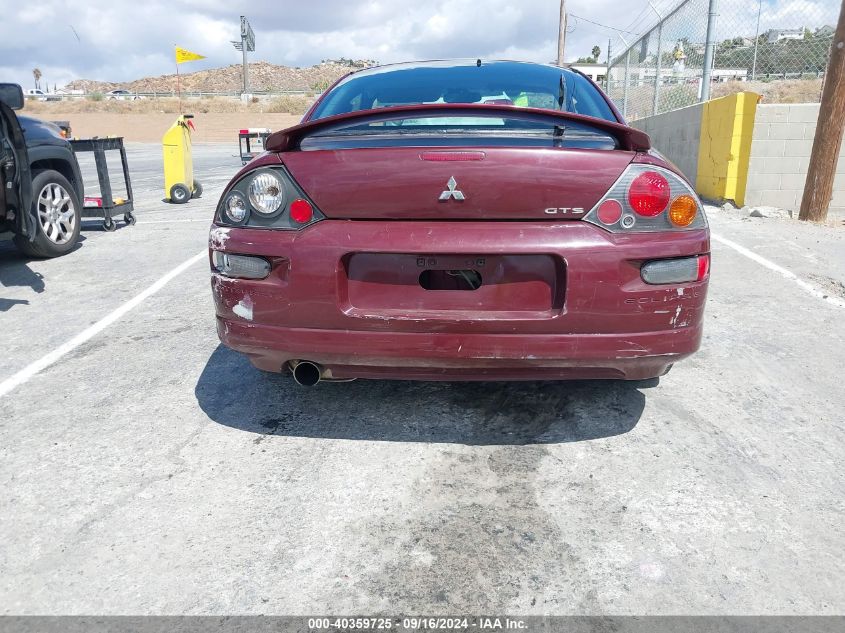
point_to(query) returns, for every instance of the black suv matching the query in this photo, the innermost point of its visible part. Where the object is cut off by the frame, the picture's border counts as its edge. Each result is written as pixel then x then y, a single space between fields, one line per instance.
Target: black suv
pixel 41 189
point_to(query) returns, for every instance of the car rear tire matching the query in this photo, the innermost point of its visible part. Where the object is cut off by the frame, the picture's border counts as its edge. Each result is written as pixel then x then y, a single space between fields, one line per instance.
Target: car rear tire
pixel 179 194
pixel 197 189
pixel 59 217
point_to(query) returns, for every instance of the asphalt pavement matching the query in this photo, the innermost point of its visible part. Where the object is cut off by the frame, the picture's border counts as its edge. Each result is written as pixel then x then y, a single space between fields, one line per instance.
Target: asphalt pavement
pixel 148 470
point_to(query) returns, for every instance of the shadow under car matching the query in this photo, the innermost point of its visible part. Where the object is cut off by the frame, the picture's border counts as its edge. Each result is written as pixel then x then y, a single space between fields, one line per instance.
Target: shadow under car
pixel 233 393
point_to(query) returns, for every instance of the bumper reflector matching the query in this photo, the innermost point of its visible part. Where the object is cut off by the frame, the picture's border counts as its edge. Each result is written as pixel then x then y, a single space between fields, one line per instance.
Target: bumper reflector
pixel 610 211
pixel 676 271
pixel 240 266
pixel 301 211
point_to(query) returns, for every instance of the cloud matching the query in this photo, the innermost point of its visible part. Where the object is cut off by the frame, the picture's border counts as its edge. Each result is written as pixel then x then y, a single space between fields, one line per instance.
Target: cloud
pixel 121 40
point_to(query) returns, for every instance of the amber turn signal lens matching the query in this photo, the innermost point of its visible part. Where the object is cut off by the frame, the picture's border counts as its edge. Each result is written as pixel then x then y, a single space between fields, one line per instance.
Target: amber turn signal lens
pixel 683 210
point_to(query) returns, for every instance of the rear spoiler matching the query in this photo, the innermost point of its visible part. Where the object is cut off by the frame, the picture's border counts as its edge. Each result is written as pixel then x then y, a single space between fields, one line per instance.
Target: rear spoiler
pixel 628 138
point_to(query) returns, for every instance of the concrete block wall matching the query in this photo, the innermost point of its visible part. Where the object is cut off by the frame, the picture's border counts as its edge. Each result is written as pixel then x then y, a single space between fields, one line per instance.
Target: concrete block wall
pixel 727 126
pixel 780 154
pixel 676 135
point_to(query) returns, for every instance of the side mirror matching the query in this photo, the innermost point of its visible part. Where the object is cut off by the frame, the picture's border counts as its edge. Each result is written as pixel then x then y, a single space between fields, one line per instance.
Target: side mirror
pixel 11 95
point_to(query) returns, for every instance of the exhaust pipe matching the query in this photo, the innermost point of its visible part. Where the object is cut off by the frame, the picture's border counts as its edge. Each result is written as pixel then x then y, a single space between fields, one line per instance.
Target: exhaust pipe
pixel 306 373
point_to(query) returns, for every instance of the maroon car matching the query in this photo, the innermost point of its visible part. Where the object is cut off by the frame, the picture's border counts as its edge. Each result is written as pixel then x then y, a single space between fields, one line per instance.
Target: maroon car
pixel 461 220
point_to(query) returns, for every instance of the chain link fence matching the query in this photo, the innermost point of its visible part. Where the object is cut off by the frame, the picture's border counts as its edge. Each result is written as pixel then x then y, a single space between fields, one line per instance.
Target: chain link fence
pixel 778 48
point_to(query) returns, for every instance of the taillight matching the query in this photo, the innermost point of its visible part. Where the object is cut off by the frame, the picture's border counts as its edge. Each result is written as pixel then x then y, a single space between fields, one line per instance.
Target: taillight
pixel 683 210
pixel 267 198
pixel 676 271
pixel 649 194
pixel 240 266
pixel 703 267
pixel 647 198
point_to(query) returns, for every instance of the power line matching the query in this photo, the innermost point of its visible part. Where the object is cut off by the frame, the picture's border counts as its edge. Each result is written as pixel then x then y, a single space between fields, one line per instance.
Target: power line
pixel 650 19
pixel 604 26
pixel 639 15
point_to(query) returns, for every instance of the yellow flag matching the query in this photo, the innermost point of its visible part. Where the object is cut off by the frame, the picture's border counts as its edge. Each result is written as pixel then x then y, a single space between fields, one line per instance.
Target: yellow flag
pixel 183 56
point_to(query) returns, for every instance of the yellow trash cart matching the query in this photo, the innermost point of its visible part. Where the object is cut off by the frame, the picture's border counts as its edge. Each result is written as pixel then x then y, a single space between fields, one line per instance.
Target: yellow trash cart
pixel 179 183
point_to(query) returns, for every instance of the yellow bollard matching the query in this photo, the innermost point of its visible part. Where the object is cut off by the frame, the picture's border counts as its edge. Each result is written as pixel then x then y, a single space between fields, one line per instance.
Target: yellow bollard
pixel 179 183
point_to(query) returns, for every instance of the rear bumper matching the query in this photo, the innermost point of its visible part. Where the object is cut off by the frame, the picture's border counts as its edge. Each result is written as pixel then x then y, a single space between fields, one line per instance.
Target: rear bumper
pixel 589 315
pixel 440 356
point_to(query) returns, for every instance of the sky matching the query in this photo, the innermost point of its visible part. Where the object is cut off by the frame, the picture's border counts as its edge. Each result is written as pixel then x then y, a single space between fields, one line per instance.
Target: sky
pixel 118 40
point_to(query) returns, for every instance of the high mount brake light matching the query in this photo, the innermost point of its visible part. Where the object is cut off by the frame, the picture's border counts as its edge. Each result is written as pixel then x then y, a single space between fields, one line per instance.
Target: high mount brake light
pixel 450 156
pixel 648 199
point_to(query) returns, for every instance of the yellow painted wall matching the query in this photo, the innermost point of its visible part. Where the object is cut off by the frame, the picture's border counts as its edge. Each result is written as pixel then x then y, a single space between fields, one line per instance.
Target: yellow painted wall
pixel 727 125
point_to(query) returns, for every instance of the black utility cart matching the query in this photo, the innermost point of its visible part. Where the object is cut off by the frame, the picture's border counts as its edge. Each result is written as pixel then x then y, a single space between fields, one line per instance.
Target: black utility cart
pixel 105 206
pixel 251 142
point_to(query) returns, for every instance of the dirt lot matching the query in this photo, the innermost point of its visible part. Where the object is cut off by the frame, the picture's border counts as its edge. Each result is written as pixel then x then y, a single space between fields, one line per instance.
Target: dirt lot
pixel 148 470
pixel 217 127
pixel 217 120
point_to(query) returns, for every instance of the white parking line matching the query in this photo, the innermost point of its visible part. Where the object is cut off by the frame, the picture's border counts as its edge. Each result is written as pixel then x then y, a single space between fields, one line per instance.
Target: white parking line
pixel 48 359
pixel 813 289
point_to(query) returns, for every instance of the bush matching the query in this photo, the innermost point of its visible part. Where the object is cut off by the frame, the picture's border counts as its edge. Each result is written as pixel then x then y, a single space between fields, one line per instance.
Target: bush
pixel 95 96
pixel 290 104
pixel 321 86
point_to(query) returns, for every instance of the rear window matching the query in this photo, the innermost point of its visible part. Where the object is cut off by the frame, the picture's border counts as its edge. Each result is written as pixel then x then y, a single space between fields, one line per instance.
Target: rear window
pixel 443 130
pixel 512 83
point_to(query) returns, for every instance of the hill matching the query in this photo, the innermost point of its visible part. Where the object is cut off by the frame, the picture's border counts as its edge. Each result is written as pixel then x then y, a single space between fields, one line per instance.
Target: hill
pixel 263 77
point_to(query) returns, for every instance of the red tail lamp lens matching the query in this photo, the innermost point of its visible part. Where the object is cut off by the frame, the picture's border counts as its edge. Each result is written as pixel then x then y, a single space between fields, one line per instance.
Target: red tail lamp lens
pixel 703 267
pixel 301 211
pixel 609 212
pixel 649 194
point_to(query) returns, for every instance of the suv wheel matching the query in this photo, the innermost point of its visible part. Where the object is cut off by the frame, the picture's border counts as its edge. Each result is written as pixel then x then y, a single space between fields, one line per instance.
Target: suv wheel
pixel 58 210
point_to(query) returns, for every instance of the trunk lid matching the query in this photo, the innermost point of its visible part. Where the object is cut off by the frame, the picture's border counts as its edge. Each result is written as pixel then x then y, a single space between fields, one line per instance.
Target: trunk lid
pixel 470 183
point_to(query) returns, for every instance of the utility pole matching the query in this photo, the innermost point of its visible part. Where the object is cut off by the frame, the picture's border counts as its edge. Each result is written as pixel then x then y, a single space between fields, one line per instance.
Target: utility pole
pixel 607 71
pixel 818 189
pixel 561 33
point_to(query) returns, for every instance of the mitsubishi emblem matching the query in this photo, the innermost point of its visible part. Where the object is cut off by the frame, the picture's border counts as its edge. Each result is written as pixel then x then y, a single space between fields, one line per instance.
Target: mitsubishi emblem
pixel 452 191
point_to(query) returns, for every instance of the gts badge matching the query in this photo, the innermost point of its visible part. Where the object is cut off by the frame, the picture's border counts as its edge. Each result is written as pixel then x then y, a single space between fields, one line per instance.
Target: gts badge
pixel 564 211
